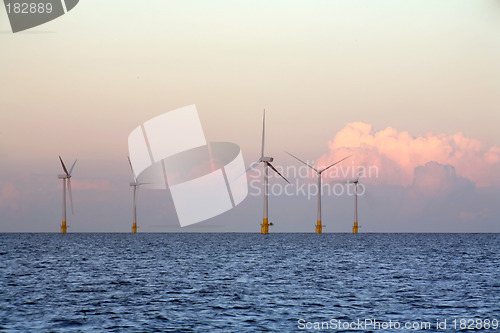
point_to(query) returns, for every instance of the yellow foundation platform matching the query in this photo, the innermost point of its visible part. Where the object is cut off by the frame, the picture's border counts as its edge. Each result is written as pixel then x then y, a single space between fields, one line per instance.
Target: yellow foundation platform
pixel 264 228
pixel 319 227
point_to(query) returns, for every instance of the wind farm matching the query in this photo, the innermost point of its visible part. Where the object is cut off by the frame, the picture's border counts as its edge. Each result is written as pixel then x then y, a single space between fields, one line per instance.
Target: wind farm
pixel 66 178
pixel 264 160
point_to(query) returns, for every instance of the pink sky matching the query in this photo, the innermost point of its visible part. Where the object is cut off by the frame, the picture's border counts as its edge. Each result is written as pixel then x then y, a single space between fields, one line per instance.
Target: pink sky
pixel 408 86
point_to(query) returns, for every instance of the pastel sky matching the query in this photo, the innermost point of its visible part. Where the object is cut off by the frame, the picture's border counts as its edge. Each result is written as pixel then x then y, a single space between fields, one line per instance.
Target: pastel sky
pixel 411 87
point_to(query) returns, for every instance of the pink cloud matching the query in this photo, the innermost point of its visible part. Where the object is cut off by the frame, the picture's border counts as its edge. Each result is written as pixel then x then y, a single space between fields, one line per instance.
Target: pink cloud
pixel 396 154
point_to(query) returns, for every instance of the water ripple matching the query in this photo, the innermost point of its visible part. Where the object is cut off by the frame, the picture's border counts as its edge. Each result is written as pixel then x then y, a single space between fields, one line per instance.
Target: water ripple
pixel 242 282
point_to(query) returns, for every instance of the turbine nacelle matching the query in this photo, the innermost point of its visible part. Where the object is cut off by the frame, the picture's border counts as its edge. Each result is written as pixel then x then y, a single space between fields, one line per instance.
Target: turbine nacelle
pixel 63 176
pixel 355 181
pixel 266 159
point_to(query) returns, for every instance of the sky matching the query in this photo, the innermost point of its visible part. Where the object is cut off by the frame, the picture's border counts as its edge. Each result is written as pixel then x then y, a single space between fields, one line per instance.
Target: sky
pixel 410 88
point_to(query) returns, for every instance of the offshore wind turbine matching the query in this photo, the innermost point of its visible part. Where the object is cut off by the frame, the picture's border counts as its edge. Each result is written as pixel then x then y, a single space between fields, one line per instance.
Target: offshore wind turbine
pixel 319 226
pixel 264 229
pixel 355 226
pixel 66 177
pixel 135 184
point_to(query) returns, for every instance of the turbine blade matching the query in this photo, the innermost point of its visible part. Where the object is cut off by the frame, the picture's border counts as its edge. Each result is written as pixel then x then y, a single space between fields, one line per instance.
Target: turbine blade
pixel 328 167
pixel 133 174
pixel 251 167
pixel 272 167
pixel 70 195
pixel 263 133
pixel 71 170
pixel 64 167
pixel 298 159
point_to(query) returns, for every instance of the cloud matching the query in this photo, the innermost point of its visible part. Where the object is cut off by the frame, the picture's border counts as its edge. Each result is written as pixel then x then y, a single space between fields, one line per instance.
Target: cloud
pixel 437 179
pixel 396 154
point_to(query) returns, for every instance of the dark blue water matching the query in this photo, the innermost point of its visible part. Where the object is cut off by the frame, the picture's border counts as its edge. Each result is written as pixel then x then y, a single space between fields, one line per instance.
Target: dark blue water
pixel 246 282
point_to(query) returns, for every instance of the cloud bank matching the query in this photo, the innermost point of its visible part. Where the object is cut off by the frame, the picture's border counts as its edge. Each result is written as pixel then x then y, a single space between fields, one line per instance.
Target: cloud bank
pixel 398 155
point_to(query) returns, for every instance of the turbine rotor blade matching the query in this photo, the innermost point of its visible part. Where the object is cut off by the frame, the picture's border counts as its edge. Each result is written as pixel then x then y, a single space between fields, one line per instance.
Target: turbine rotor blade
pixel 263 133
pixel 130 163
pixel 328 167
pixel 70 195
pixel 250 168
pixel 64 167
pixel 272 167
pixel 71 170
pixel 298 159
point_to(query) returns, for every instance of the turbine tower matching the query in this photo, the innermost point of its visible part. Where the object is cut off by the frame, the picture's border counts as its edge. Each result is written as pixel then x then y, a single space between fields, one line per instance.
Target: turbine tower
pixel 355 226
pixel 264 229
pixel 135 185
pixel 64 177
pixel 319 226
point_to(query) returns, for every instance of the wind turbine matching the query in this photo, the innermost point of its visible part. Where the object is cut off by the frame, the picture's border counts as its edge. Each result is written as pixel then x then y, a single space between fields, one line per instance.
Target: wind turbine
pixel 264 229
pixel 135 185
pixel 319 226
pixel 355 226
pixel 67 175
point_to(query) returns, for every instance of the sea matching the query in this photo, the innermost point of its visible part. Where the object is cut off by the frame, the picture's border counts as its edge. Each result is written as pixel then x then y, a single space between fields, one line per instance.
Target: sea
pixel 235 282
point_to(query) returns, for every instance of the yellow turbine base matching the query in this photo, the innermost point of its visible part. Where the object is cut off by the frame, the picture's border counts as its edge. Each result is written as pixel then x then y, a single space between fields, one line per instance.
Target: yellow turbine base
pixel 319 227
pixel 134 228
pixel 63 227
pixel 355 228
pixel 264 228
